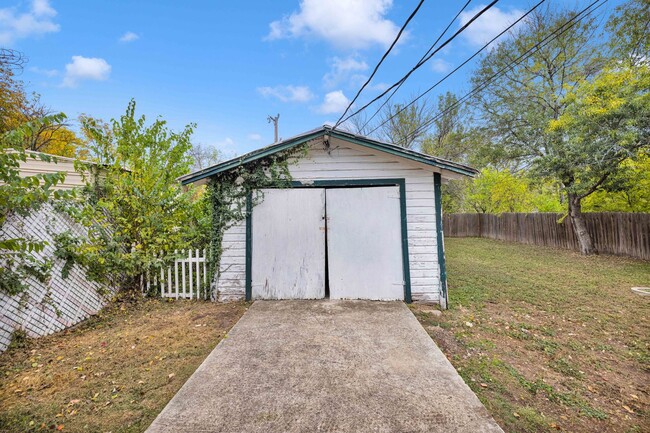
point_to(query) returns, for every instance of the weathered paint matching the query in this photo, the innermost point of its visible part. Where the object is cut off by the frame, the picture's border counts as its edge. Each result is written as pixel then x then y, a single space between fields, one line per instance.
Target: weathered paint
pixel 364 243
pixel 327 133
pixel 249 247
pixel 288 245
pixel 336 164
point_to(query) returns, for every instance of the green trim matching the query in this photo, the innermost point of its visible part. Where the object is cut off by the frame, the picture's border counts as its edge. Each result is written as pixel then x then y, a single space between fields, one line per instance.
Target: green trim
pixel 244 159
pixel 249 247
pixel 401 183
pixel 298 140
pixel 442 265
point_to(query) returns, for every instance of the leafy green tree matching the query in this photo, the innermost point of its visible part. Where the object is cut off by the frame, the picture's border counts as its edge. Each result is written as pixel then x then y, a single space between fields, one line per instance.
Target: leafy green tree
pixel 630 32
pixel 448 137
pixel 626 191
pixel 21 195
pixel 606 124
pixel 137 208
pixel 519 105
pixel 451 138
pixel 405 126
pixel 204 156
pixel 496 192
pixel 17 107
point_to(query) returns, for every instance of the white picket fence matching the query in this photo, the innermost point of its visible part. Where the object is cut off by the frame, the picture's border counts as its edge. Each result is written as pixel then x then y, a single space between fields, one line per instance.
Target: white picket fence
pixel 186 278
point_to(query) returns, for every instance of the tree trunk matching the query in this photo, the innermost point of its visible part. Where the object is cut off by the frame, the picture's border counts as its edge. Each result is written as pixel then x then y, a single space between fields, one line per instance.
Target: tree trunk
pixel 579 225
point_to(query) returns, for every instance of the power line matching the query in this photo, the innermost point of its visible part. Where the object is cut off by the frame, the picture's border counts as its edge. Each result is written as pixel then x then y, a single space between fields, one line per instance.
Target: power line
pixel 549 38
pixel 399 34
pixel 455 69
pixel 420 61
pixel 419 64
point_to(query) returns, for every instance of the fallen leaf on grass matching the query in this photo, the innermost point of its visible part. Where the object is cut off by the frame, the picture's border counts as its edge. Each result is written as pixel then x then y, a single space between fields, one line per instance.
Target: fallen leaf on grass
pixel 484 385
pixel 627 408
pixel 171 375
pixel 515 414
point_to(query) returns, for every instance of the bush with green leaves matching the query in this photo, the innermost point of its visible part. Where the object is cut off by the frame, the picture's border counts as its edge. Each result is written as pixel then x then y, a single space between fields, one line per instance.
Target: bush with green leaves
pixel 136 212
pixel 22 195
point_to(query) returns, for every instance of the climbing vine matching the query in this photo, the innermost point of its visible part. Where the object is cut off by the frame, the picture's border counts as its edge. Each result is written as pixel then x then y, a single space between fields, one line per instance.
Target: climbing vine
pixel 228 194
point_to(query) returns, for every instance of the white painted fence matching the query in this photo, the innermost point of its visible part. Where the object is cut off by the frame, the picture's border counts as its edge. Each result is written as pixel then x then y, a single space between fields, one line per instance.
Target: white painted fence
pixel 186 278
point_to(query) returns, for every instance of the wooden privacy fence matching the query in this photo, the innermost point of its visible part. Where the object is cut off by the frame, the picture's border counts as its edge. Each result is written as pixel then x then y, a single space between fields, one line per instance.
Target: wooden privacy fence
pixel 625 234
pixel 186 277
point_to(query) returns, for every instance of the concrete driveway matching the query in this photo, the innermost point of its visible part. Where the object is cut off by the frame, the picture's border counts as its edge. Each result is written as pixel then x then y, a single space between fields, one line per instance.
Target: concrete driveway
pixel 331 366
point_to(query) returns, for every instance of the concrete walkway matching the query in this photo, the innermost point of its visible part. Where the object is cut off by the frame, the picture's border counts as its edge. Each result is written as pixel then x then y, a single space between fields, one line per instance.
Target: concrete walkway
pixel 331 366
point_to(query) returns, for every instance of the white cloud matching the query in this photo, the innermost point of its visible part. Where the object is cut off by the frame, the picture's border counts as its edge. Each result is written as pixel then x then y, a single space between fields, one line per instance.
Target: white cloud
pixel 349 24
pixel 440 65
pixel 345 70
pixel 18 25
pixel 335 102
pixel 46 72
pixel 85 68
pixel 254 137
pixel 129 37
pixel 488 25
pixel 287 93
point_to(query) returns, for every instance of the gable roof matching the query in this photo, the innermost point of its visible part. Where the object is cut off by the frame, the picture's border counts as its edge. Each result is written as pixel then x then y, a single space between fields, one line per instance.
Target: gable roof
pixel 335 133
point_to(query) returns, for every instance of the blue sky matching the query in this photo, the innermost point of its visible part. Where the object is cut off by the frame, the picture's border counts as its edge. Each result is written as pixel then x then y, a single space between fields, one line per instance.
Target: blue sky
pixel 227 65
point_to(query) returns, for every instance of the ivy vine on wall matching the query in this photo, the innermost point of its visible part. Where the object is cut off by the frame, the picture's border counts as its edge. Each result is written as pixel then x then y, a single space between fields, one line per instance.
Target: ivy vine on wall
pixel 228 192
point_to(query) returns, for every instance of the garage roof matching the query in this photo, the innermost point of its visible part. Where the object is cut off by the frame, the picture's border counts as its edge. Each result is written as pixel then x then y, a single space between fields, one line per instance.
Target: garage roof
pixel 319 132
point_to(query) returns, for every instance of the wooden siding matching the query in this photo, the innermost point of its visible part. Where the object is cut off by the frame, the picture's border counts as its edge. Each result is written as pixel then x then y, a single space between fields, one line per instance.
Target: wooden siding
pixel 345 160
pixel 36 166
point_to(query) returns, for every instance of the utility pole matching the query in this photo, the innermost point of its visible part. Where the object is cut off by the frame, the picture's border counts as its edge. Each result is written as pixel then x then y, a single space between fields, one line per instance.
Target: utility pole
pixel 275 125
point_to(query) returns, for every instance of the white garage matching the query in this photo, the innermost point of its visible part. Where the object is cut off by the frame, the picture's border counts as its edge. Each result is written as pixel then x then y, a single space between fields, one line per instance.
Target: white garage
pixel 361 220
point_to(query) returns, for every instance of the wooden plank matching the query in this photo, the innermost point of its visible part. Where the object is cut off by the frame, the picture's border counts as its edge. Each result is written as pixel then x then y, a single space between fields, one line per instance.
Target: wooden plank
pixel 205 272
pixel 198 272
pixel 176 274
pixel 364 243
pixel 617 233
pixel 189 264
pixel 183 274
pixel 288 245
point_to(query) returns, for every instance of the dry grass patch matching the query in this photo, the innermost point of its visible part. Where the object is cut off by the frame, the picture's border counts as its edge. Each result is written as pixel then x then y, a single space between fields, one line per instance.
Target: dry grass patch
pixel 549 340
pixel 113 373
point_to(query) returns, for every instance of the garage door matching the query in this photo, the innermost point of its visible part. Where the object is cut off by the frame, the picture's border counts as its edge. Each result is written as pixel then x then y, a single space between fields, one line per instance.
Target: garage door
pixel 289 245
pixel 364 243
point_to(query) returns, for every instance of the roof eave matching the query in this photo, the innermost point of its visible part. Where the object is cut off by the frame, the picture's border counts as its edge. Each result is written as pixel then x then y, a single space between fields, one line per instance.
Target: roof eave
pixel 362 141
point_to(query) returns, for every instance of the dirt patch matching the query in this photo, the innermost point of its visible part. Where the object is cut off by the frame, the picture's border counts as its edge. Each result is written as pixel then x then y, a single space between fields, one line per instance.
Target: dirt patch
pixel 114 372
pixel 549 340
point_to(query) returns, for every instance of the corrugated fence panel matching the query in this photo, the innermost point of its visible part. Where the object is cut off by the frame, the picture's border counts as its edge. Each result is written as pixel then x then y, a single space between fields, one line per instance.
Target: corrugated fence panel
pixel 618 233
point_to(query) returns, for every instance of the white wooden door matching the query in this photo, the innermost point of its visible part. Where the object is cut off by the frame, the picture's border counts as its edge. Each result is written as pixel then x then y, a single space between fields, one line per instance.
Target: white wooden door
pixel 364 243
pixel 289 245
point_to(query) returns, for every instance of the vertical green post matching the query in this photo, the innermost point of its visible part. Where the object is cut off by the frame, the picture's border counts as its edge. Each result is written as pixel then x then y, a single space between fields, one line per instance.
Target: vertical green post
pixel 249 247
pixel 437 186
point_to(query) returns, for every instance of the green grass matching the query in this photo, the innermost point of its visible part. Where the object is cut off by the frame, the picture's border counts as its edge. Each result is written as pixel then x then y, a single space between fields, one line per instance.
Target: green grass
pixel 558 340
